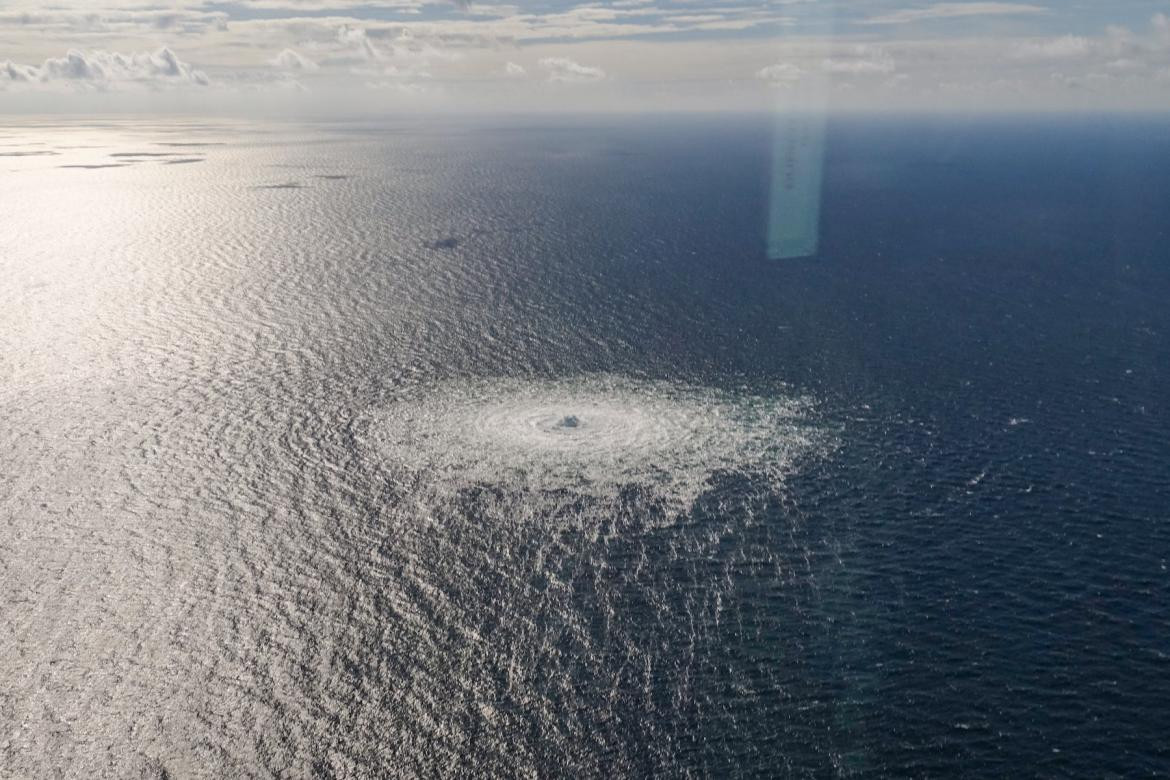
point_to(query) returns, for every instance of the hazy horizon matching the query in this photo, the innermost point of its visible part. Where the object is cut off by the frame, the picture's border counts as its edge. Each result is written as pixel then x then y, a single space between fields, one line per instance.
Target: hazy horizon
pixel 317 57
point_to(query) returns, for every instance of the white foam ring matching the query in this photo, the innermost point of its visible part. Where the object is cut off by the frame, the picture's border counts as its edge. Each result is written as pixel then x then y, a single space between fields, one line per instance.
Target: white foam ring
pixel 593 437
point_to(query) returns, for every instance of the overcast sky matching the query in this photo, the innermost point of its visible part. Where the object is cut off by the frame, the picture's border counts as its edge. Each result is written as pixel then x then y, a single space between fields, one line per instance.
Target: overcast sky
pixel 347 56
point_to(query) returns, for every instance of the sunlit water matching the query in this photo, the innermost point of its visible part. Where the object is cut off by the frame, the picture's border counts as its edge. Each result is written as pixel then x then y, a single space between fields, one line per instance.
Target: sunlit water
pixel 499 449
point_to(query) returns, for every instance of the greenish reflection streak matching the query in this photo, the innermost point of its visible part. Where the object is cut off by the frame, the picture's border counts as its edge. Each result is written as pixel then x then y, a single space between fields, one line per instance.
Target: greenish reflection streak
pixel 798 152
pixel 794 219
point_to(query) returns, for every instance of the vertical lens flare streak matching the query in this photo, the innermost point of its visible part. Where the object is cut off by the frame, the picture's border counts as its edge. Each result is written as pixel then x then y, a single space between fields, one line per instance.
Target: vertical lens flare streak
pixel 798 153
pixel 795 205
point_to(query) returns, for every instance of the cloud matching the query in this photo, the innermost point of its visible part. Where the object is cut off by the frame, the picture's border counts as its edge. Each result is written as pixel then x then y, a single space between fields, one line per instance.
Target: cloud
pixel 1161 23
pixel 636 54
pixel 781 73
pixel 293 61
pixel 14 72
pixel 1119 50
pixel 1062 48
pixel 858 67
pixel 358 45
pixel 863 61
pixel 566 70
pixel 58 21
pixel 955 10
pixel 105 69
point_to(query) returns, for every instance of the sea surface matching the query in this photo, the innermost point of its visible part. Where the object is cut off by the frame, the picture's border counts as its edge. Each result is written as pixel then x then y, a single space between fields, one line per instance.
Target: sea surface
pixel 454 447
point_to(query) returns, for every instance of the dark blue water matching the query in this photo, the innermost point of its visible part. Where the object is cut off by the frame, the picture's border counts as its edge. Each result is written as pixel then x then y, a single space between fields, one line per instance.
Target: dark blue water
pixel 988 315
pixel 995 292
pixel 215 568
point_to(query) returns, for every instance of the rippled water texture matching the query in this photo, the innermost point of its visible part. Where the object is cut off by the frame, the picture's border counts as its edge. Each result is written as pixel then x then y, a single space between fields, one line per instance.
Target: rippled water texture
pixel 451 448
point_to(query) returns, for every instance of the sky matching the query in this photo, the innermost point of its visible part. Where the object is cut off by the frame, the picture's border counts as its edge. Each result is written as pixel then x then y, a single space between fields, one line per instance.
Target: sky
pixel 333 57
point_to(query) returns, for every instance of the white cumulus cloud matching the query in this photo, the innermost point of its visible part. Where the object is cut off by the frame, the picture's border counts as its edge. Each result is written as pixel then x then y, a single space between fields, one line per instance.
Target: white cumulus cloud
pixel 567 70
pixel 294 61
pixel 106 69
pixel 1064 47
pixel 781 73
pixel 861 62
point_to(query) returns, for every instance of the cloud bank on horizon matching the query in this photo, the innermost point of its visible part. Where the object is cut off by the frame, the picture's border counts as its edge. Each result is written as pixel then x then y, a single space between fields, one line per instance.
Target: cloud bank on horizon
pixel 362 56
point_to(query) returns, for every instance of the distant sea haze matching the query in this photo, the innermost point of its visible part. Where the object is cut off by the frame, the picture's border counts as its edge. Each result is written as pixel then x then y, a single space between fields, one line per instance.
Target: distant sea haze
pixel 503 449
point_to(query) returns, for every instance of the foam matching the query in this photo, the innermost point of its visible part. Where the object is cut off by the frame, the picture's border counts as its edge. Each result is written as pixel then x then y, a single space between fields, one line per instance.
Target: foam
pixel 593 436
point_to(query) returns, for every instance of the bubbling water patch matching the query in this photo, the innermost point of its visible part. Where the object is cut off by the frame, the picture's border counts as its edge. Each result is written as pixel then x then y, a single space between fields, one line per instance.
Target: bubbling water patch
pixel 594 436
